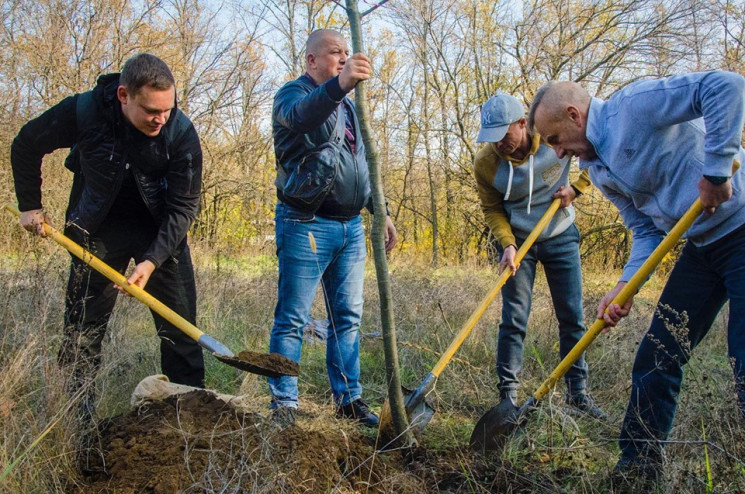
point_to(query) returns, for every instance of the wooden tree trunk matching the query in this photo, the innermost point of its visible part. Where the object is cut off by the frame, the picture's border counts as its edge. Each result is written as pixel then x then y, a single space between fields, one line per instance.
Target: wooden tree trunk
pixel 377 239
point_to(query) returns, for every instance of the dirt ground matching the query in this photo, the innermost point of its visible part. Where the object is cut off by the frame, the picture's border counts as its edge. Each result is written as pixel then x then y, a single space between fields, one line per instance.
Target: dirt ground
pixel 195 442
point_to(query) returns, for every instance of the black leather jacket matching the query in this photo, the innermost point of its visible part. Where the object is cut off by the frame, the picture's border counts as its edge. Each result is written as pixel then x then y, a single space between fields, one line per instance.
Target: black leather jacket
pixel 167 168
pixel 304 116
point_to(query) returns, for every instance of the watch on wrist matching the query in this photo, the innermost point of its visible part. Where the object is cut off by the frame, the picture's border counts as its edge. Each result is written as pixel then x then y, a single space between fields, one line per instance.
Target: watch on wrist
pixel 716 180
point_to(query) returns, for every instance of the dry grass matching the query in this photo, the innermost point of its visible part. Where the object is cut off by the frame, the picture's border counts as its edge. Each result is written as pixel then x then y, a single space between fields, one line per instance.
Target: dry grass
pixel 556 452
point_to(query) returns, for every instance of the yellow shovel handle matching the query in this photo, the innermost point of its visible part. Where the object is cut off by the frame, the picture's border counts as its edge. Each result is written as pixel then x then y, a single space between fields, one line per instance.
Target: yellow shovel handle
pixel 626 292
pixel 471 322
pixel 115 276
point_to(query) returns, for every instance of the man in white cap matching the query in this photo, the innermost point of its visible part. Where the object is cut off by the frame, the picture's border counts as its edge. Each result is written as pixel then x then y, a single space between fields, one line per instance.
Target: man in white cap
pixel 517 178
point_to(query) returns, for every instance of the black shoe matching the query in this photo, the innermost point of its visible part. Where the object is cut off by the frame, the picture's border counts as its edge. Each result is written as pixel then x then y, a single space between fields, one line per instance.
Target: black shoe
pixel 283 417
pixel 583 402
pixel 633 476
pixel 358 410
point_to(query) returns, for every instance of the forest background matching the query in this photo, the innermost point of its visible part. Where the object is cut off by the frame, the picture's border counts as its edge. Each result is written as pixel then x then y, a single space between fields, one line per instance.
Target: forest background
pixel 435 62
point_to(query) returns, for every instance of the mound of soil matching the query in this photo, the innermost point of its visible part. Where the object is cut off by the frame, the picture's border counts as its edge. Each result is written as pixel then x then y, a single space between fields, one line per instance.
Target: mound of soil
pixel 195 442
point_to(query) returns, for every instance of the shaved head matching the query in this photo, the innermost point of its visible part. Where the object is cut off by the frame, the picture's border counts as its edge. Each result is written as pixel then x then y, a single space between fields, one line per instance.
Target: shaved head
pixel 318 39
pixel 554 98
pixel 326 52
pixel 559 113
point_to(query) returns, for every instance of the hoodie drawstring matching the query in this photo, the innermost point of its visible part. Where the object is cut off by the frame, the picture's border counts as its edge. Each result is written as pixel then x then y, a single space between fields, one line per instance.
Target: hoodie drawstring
pixel 509 182
pixel 530 182
pixel 530 193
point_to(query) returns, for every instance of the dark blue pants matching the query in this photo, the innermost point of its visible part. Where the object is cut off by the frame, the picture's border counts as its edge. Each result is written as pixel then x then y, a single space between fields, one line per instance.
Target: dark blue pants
pixel 703 279
pixel 560 258
pixel 91 297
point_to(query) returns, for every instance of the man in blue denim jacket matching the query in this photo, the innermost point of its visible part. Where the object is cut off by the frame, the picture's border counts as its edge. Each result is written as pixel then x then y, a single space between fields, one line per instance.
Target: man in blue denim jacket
pixel 304 116
pixel 652 148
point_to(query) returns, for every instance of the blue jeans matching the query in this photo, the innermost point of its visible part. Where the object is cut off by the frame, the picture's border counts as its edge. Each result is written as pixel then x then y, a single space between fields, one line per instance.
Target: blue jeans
pixel 560 258
pixel 339 265
pixel 703 279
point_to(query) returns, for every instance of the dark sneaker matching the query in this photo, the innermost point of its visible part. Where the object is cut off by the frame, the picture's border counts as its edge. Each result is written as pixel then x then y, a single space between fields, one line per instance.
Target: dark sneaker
pixel 633 476
pixel 283 417
pixel 358 410
pixel 585 404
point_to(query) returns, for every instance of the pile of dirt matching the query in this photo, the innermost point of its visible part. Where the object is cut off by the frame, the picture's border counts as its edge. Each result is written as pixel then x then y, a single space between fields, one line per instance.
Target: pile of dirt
pixel 199 443
pixel 195 442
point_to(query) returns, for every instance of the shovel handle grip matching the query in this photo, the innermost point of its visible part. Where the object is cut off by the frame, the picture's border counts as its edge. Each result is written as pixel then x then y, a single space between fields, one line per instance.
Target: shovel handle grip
pixel 625 294
pixel 117 278
pixel 471 322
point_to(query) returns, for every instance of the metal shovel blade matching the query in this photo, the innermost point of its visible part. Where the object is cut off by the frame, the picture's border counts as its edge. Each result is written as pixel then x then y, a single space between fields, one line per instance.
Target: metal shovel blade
pixel 418 409
pixel 497 424
pixel 265 364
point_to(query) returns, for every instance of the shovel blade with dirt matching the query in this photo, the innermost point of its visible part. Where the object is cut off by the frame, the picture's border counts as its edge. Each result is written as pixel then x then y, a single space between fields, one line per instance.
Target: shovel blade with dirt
pixel 418 410
pixel 271 365
pixel 500 421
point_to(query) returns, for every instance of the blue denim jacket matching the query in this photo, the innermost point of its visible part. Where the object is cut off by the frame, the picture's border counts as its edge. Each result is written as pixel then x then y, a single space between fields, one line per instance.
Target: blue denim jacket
pixel 654 141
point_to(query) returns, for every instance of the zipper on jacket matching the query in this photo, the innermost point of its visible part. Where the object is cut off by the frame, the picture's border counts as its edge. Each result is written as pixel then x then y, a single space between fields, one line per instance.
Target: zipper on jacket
pixel 142 194
pixel 102 213
pixel 356 179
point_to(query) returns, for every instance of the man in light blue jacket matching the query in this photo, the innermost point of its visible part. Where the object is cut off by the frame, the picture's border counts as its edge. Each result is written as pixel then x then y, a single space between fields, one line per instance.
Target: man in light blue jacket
pixel 652 148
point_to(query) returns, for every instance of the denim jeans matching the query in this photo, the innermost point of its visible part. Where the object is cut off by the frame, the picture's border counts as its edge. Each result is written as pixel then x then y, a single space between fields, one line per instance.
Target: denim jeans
pixel 560 258
pixel 339 266
pixel 703 279
pixel 91 297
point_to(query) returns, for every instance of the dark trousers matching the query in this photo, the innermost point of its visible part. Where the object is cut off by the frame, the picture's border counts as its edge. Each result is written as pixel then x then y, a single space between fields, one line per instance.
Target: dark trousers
pixel 703 279
pixel 561 263
pixel 91 297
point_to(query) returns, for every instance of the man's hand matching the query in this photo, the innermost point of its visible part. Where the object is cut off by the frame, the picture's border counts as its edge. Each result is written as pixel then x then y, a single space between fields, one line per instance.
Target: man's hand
pixel 508 260
pixel 615 311
pixel 713 195
pixel 34 220
pixel 357 68
pixel 139 276
pixel 390 235
pixel 566 194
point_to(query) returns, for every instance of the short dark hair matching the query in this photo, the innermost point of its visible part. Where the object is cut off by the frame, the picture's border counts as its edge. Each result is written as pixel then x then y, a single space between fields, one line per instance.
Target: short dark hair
pixel 145 69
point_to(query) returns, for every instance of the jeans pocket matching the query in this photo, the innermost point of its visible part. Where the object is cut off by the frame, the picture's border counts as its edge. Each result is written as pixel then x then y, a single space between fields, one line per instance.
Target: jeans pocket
pixel 575 232
pixel 293 215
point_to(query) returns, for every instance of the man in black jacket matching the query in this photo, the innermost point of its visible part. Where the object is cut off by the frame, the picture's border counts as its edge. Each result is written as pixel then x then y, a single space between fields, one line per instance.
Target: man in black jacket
pixel 326 244
pixel 137 166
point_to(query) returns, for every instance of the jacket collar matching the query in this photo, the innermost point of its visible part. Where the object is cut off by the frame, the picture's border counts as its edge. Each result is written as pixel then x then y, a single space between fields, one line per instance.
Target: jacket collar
pixel 595 131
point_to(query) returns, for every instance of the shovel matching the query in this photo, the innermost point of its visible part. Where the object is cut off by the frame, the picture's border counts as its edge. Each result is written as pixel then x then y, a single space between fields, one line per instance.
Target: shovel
pixel 504 418
pixel 272 365
pixel 418 410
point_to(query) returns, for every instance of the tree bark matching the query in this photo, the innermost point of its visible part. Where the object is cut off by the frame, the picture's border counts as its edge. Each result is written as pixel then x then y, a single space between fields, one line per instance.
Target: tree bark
pixel 377 239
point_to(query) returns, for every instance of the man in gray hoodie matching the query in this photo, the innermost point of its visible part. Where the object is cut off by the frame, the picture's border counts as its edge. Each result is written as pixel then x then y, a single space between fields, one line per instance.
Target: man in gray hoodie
pixel 517 178
pixel 652 148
